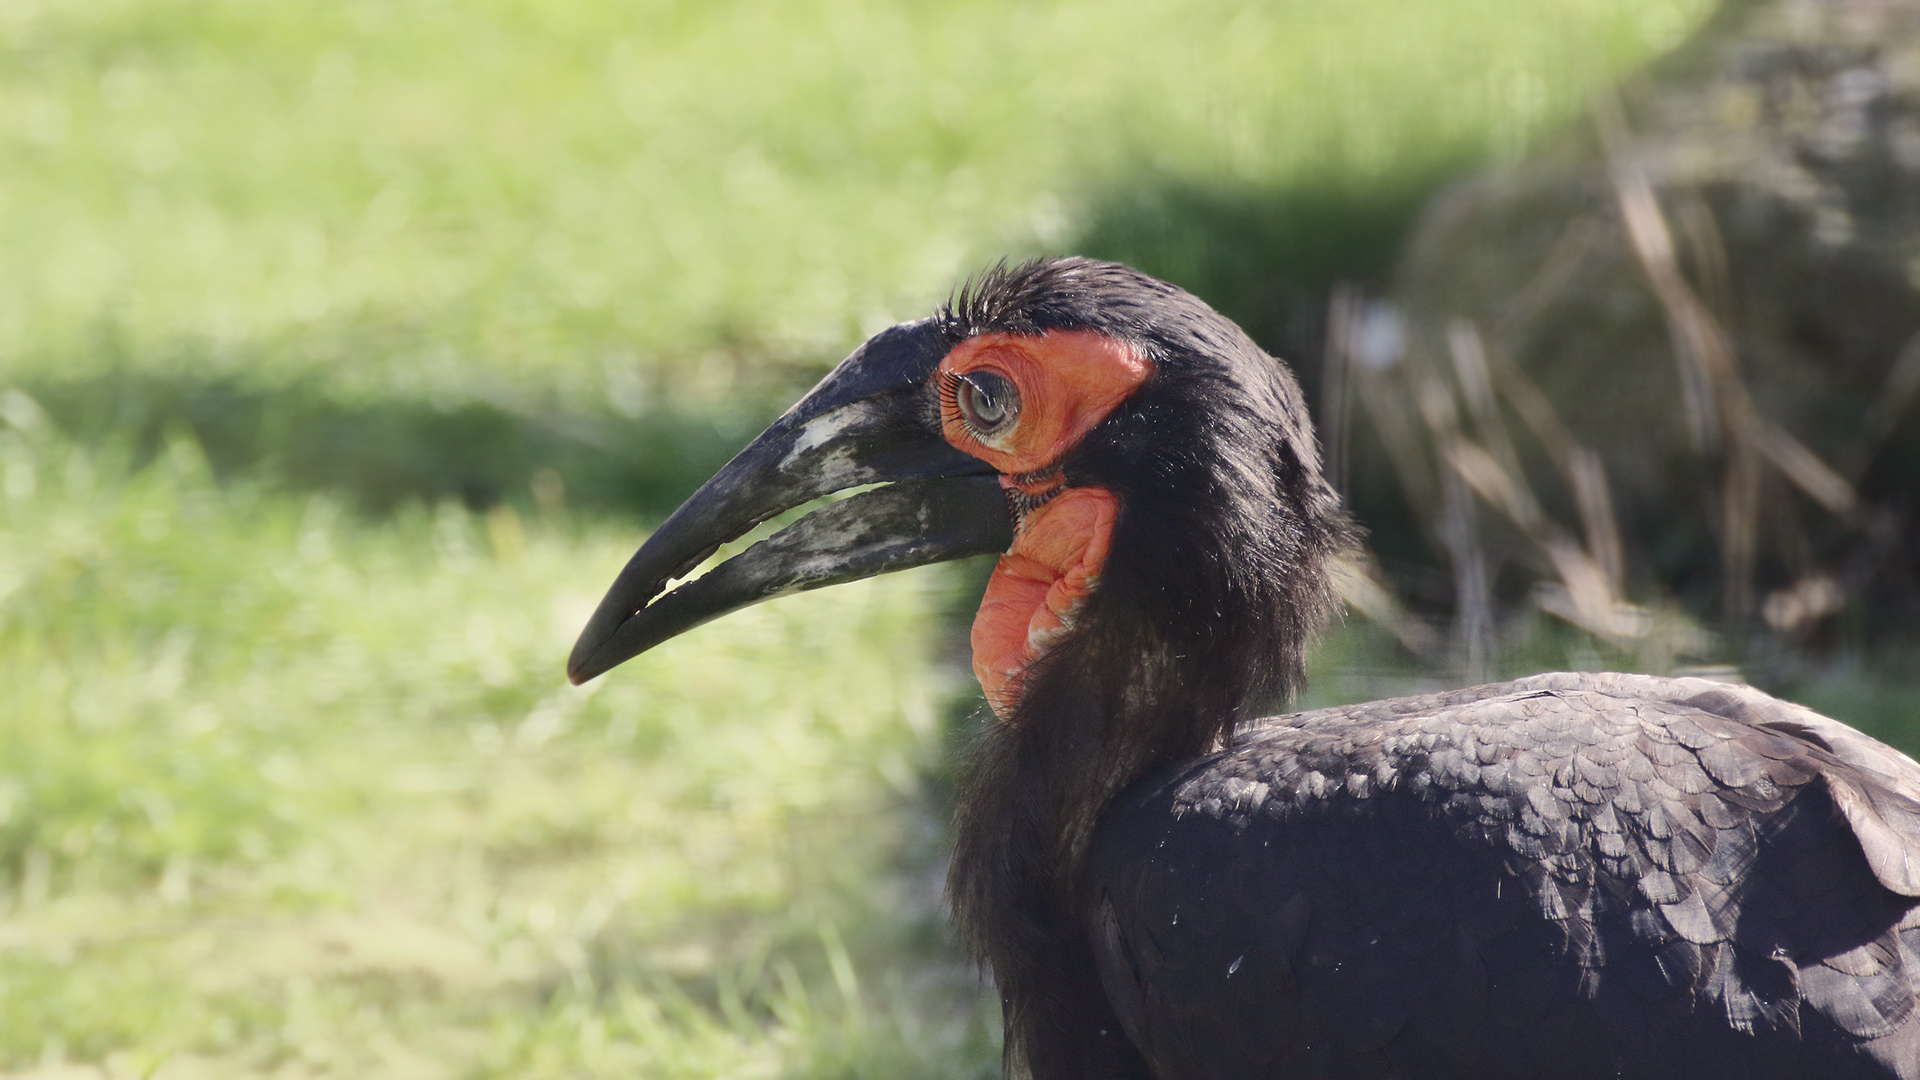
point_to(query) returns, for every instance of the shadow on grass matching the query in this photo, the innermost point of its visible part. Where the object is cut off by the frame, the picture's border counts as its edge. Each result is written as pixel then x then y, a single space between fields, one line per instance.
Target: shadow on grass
pixel 1265 257
pixel 1269 258
pixel 381 454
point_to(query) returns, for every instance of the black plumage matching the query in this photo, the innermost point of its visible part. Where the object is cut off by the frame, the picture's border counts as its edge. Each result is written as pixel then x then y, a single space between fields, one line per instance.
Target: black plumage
pixel 1565 876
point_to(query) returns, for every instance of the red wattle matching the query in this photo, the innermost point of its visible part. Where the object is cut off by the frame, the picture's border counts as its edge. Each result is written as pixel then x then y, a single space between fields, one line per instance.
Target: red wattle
pixel 1037 588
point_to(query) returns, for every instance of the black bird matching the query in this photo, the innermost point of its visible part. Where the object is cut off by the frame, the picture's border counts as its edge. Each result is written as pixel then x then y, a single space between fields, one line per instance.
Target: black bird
pixel 1566 876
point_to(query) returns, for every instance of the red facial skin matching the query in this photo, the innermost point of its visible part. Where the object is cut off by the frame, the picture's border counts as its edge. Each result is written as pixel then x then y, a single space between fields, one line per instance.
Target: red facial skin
pixel 1068 382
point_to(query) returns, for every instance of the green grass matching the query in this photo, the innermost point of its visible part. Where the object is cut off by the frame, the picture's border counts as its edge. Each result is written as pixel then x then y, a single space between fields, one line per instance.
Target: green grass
pixel 355 334
pixel 281 786
pixel 605 206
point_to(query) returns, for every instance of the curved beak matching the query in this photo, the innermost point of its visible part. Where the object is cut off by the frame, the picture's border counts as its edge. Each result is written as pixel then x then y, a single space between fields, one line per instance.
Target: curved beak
pixel 872 420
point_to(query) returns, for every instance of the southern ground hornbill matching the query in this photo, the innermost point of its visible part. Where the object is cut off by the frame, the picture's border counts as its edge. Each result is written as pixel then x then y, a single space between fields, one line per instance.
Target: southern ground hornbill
pixel 1565 876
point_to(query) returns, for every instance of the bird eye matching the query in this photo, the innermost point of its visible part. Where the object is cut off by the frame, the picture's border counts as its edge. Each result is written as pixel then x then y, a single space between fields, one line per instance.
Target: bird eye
pixel 988 401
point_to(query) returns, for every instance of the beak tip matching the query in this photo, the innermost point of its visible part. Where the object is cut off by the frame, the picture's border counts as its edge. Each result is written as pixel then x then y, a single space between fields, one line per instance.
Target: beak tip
pixel 580 666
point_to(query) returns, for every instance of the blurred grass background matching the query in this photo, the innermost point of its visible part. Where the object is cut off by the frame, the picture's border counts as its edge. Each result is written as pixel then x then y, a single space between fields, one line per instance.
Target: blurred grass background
pixel 347 349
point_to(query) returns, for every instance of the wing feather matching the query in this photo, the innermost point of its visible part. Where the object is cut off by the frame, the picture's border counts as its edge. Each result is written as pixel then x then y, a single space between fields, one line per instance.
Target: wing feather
pixel 1645 877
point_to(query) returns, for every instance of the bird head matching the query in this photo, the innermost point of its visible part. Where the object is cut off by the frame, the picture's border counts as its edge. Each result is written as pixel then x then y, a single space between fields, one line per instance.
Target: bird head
pixel 1147 473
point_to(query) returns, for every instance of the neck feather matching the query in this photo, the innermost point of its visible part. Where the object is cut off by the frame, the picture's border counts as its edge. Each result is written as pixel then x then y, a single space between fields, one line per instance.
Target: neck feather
pixel 1214 580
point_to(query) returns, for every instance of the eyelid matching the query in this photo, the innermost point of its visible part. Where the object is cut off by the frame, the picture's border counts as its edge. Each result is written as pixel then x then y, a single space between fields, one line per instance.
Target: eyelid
pixel 952 410
pixel 1007 398
pixel 1003 395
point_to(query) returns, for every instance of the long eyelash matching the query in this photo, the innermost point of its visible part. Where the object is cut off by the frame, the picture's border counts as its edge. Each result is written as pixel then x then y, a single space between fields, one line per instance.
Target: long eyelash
pixel 950 390
pixel 950 406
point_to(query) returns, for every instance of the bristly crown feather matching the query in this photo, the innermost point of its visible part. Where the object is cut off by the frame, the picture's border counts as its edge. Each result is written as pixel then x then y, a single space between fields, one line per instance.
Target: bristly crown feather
pixel 1217 578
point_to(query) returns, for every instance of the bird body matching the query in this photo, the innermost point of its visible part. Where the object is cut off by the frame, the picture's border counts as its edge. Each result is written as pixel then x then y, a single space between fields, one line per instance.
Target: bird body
pixel 1566 876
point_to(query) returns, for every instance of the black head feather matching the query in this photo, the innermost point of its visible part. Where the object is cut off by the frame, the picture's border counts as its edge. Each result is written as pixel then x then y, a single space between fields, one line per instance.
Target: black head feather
pixel 1218 564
